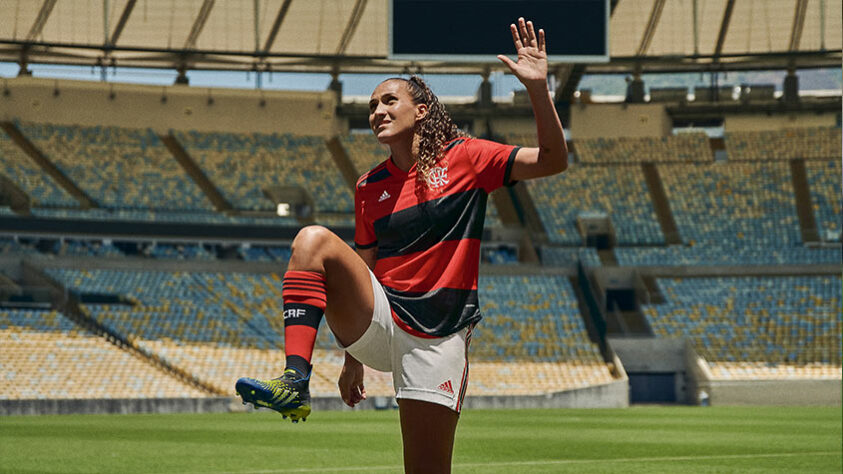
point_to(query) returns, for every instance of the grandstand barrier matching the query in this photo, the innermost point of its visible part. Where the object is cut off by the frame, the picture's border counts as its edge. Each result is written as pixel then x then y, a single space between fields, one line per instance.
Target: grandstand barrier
pixel 611 395
pixel 773 392
pixel 706 390
pixel 117 406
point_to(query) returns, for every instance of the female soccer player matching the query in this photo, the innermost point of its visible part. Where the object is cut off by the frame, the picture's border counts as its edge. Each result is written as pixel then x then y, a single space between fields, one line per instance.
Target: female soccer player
pixel 406 300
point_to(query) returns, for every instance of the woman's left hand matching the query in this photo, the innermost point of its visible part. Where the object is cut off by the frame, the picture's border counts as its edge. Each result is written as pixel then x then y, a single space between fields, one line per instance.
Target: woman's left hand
pixel 531 67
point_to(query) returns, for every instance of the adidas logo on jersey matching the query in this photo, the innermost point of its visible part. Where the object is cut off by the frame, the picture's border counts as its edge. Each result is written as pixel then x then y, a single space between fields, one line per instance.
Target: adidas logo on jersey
pixel 384 197
pixel 446 387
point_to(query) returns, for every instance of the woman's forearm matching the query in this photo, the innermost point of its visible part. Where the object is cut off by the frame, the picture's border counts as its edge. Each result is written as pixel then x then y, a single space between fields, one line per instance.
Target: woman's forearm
pixel 552 146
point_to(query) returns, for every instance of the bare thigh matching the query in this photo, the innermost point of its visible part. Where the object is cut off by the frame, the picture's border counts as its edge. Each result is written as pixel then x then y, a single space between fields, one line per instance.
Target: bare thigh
pixel 347 281
pixel 428 432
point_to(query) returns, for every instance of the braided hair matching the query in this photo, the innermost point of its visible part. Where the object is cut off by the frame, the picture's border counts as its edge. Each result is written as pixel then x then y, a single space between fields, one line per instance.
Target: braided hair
pixel 433 131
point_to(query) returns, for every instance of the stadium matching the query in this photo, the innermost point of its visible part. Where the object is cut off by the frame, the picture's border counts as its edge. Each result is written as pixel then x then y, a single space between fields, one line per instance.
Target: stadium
pixel 670 302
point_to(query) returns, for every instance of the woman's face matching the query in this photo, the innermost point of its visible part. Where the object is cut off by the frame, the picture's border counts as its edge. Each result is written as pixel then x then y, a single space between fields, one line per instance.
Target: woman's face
pixel 392 112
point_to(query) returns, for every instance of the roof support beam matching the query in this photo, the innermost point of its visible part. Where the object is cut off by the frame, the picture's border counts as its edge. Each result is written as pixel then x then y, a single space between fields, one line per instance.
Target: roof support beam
pixel 199 24
pixel 276 25
pixel 724 28
pixel 41 20
pixel 650 30
pixel 798 23
pixel 351 26
pixel 121 23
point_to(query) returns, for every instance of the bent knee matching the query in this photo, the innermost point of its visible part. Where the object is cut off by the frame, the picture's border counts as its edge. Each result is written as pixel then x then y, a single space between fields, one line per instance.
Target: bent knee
pixel 311 239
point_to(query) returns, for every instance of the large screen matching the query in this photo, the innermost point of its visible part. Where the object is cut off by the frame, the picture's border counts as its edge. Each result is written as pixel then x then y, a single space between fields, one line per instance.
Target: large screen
pixel 478 30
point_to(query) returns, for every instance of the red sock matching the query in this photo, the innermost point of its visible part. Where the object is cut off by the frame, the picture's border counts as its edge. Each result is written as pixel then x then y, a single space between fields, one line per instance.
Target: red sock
pixel 304 304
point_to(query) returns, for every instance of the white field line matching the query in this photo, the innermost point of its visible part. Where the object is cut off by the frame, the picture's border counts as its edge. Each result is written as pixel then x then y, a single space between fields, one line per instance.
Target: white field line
pixel 550 462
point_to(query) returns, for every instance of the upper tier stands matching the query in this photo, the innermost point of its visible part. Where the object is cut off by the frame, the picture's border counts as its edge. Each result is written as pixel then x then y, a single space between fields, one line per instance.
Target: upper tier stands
pixel 791 143
pixel 620 191
pixel 46 356
pixel 824 181
pixel 685 148
pixel 20 168
pixel 120 168
pixel 242 166
pixel 733 203
pixel 751 327
pixel 365 151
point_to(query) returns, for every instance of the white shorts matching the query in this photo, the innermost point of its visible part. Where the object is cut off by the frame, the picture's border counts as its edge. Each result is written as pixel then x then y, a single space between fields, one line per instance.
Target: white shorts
pixel 428 369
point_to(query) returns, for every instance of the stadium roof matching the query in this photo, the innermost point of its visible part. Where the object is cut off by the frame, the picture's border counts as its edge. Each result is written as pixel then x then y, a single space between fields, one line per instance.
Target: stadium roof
pixel 351 35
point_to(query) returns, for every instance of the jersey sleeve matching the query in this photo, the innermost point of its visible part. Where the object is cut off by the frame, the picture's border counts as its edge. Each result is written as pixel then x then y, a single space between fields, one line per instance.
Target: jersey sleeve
pixel 364 230
pixel 492 162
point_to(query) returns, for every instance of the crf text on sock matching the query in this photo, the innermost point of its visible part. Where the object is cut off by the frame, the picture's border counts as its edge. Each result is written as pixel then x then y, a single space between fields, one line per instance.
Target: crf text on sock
pixel 293 313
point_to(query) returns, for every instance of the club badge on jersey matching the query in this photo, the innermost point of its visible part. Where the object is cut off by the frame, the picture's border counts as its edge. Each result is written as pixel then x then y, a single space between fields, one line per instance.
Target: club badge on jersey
pixel 438 177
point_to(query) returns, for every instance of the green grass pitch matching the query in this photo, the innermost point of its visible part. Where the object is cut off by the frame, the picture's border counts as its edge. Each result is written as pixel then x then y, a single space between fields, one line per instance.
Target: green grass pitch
pixel 639 439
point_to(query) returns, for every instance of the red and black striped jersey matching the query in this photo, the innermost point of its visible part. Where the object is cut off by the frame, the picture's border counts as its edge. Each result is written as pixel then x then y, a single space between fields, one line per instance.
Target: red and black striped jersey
pixel 428 238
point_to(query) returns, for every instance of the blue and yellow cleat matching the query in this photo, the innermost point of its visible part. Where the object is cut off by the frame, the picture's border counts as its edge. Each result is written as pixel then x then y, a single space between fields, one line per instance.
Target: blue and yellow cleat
pixel 288 394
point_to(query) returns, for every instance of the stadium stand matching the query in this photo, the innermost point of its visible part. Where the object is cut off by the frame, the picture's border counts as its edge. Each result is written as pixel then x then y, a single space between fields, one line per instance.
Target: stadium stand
pixel 722 204
pixel 824 178
pixel 807 143
pixel 725 255
pixel 215 326
pixel 569 256
pixel 220 326
pixel 85 248
pixel 46 356
pixel 10 246
pixel 120 168
pixel 136 215
pixel 243 165
pixel 261 253
pixel 364 150
pixel 30 178
pixel 535 321
pixel 755 327
pixel 685 148
pixel 619 191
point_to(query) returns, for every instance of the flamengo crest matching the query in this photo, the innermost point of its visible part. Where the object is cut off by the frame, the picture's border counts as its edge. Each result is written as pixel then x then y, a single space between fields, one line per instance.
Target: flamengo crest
pixel 438 177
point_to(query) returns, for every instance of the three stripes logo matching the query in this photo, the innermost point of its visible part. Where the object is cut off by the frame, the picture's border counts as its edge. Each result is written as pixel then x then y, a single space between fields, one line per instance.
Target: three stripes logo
pixel 446 387
pixel 384 197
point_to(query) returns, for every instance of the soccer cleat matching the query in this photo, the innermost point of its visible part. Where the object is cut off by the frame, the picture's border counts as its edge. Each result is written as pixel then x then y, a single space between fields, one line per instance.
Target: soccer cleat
pixel 288 394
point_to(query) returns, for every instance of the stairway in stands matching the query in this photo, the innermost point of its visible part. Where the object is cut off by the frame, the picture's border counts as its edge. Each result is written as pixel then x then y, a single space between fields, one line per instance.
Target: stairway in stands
pixel 802 196
pixel 660 203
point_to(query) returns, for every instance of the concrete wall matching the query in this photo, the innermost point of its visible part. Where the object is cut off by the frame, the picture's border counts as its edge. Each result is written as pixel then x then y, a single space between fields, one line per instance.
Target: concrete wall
pixel 620 120
pixel 760 122
pixel 612 395
pixel 185 108
pixel 704 389
pixel 773 392
pixel 117 406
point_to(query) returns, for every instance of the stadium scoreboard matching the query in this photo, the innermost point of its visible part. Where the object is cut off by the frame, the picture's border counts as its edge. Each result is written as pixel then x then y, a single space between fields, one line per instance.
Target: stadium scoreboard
pixel 478 30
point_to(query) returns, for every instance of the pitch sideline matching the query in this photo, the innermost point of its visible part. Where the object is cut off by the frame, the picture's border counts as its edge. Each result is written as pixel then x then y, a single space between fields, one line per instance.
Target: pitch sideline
pixel 542 463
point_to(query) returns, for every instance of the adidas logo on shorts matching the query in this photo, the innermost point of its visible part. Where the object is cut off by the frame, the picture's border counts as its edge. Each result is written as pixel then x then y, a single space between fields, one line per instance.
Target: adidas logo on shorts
pixel 384 197
pixel 446 387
